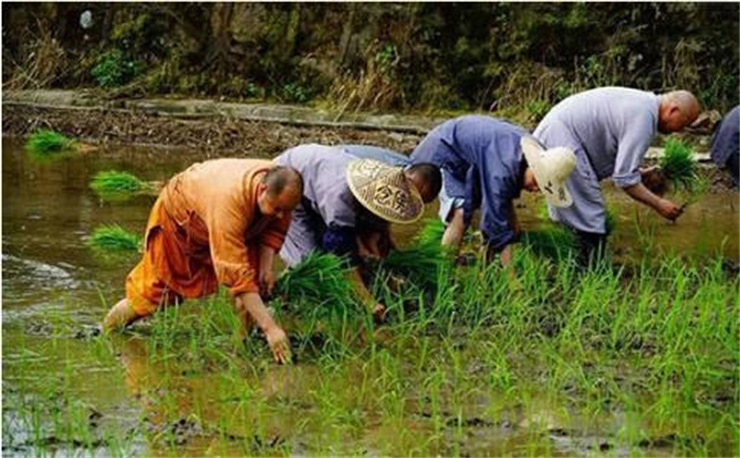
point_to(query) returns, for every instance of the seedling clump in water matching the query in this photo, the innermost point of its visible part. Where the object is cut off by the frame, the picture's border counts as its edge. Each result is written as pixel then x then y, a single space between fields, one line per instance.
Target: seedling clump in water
pixel 46 142
pixel 114 238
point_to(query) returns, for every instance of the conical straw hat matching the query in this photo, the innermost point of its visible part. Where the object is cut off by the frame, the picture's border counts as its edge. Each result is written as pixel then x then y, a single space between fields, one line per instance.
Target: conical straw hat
pixel 551 168
pixel 384 190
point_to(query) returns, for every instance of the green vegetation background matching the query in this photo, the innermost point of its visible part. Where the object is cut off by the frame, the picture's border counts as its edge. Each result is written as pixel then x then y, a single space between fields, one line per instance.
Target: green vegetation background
pixel 515 58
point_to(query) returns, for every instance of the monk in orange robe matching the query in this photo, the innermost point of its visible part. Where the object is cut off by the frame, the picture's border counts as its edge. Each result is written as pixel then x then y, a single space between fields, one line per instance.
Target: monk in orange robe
pixel 218 222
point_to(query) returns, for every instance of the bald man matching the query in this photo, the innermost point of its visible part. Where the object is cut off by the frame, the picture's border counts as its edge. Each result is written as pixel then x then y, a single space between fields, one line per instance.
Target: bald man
pixel 610 130
pixel 219 222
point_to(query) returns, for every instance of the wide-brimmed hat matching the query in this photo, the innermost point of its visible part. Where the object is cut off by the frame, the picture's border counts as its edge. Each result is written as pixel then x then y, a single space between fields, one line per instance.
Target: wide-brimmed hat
pixel 551 168
pixel 384 190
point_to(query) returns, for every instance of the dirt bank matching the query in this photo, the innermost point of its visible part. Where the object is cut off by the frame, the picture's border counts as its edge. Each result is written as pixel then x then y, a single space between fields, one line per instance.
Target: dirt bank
pixel 217 135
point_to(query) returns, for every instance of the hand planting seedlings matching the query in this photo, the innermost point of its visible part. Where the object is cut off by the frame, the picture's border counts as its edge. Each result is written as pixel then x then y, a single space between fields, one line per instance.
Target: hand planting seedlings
pixel 528 348
pixel 216 245
pixel 347 206
pixel 486 163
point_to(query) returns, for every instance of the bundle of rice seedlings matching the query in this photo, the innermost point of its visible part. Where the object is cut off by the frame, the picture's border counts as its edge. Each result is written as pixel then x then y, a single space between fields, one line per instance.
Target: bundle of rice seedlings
pixel 113 237
pixel 318 278
pixel 113 184
pixel 555 242
pixel 420 262
pixel 46 141
pixel 678 164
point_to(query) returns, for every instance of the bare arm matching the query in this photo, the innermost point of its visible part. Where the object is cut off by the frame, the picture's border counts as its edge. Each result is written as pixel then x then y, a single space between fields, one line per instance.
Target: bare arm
pixel 455 229
pixel 266 270
pixel 665 207
pixel 250 307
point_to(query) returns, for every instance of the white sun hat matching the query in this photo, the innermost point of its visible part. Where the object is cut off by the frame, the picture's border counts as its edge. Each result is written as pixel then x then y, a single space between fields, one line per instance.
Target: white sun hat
pixel 551 168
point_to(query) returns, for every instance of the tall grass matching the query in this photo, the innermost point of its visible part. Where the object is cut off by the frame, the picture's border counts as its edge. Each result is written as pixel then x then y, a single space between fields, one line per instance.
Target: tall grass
pixel 420 262
pixel 640 358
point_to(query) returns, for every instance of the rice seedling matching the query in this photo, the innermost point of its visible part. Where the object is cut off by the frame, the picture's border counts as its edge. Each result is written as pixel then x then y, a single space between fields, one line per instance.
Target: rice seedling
pixel 113 237
pixel 678 164
pixel 46 142
pixel 420 263
pixel 554 242
pixel 114 182
pixel 320 278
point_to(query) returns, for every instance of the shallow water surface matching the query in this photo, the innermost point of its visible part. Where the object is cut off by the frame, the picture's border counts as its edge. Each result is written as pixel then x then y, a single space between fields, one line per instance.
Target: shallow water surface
pixel 108 396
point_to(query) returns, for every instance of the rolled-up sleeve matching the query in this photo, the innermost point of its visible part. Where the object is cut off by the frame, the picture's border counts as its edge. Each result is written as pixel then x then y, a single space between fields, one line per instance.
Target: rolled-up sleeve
pixel 632 146
pixel 226 228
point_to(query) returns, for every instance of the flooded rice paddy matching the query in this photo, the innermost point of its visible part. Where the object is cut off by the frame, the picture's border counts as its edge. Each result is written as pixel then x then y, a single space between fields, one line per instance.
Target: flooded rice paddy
pixel 638 359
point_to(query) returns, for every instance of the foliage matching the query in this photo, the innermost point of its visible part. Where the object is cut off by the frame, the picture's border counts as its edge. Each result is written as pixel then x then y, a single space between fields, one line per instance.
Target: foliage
pixel 113 237
pixel 319 277
pixel 420 262
pixel 490 56
pixel 678 164
pixel 45 142
pixel 551 241
pixel 115 68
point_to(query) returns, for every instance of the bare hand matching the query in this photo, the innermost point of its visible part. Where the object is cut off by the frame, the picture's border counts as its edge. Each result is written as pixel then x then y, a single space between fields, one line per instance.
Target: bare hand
pixel 279 344
pixel 266 282
pixel 669 210
pixel 379 313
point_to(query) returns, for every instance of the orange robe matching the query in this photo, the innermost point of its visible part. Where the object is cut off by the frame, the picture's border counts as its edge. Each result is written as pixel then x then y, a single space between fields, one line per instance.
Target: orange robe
pixel 204 229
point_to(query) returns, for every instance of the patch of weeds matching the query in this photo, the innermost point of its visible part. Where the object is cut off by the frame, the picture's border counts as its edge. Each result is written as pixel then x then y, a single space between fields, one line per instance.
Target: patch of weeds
pixel 537 109
pixel 114 238
pixel 115 68
pixel 296 92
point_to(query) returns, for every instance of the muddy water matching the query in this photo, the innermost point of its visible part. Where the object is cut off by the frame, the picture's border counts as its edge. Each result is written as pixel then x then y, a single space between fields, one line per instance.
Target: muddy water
pixel 55 288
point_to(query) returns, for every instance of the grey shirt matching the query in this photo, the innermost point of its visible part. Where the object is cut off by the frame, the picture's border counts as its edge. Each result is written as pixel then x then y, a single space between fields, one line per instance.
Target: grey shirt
pixel 613 125
pixel 325 189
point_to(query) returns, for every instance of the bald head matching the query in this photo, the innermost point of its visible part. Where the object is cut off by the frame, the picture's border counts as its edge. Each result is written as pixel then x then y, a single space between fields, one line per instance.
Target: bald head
pixel 281 179
pixel 677 110
pixel 280 192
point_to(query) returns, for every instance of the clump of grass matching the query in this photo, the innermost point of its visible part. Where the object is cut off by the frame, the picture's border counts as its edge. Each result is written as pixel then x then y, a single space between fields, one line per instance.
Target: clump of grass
pixel 319 278
pixel 46 141
pixel 678 164
pixel 555 242
pixel 421 261
pixel 113 237
pixel 113 184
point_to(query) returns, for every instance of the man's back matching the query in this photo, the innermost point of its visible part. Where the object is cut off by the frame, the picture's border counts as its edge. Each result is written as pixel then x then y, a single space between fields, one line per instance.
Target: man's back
pixel 606 122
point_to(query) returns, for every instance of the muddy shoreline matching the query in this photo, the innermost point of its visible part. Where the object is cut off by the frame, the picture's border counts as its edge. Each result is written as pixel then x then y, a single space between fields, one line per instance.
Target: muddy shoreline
pixel 215 135
pixel 218 135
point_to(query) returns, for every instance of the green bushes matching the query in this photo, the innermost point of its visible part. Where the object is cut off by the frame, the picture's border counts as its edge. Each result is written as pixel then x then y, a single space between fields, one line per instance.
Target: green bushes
pixel 521 57
pixel 114 68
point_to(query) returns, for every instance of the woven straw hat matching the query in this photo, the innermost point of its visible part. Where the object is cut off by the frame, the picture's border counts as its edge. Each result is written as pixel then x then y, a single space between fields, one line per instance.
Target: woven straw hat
pixel 551 168
pixel 384 190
